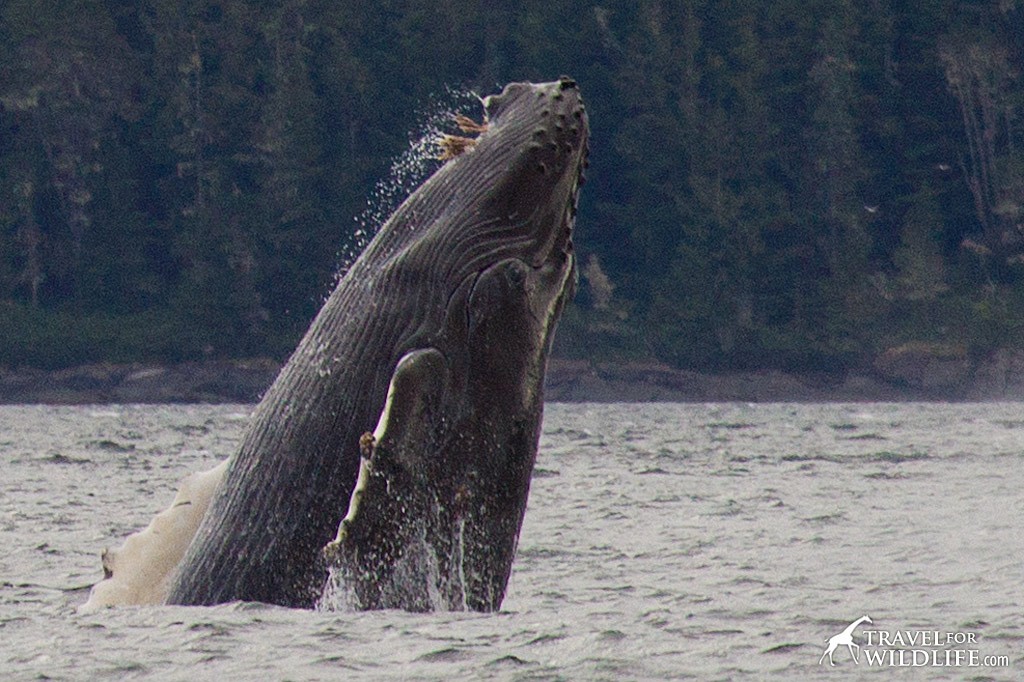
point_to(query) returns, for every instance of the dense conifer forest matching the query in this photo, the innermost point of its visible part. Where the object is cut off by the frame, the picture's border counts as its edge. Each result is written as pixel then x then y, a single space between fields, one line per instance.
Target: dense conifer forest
pixel 786 184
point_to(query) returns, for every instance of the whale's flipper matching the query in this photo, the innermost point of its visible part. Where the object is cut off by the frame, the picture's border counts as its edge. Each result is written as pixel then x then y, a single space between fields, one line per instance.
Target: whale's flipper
pixel 140 571
pixel 393 513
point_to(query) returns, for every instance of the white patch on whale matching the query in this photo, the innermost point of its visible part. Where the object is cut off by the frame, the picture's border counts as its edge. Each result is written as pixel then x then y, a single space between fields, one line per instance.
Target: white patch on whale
pixel 140 571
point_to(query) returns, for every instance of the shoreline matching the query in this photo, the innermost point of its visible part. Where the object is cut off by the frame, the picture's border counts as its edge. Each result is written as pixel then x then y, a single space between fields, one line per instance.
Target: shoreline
pixel 997 378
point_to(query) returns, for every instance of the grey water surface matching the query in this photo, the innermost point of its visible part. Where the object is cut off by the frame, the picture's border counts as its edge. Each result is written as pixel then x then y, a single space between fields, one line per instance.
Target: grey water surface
pixel 662 542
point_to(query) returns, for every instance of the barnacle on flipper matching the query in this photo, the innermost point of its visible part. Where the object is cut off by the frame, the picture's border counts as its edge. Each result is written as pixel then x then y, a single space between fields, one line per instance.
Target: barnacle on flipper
pixel 366 443
pixel 455 145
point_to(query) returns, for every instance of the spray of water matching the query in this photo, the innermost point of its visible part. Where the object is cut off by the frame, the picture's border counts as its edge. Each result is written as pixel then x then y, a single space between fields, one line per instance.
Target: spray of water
pixel 420 580
pixel 412 167
pixel 337 594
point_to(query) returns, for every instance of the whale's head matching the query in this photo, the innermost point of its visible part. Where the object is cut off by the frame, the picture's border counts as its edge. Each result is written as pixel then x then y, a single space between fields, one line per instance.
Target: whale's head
pixel 536 146
pixel 478 262
pixel 480 258
pixel 522 179
pixel 510 194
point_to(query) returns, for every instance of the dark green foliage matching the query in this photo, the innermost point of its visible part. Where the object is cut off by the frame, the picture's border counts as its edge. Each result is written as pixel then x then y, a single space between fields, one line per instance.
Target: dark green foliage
pixel 51 339
pixel 798 185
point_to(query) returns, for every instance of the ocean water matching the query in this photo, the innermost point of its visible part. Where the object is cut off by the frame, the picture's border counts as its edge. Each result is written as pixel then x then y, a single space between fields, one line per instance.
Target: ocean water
pixel 662 542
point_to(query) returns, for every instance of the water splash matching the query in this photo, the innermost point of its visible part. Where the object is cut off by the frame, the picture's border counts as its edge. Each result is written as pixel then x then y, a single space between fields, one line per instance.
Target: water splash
pixel 420 580
pixel 459 561
pixel 412 167
pixel 337 594
pixel 417 577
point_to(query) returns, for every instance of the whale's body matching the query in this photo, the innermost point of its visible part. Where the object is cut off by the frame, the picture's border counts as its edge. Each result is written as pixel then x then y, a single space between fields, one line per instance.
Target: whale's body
pixel 436 340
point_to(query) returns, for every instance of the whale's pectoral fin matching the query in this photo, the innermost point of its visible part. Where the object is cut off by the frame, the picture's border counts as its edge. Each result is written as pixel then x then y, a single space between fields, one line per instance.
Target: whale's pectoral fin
pixel 333 550
pixel 140 571
pixel 394 467
pixel 408 420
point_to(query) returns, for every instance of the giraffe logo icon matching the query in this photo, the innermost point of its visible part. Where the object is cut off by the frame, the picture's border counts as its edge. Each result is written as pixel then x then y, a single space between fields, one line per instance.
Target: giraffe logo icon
pixel 844 638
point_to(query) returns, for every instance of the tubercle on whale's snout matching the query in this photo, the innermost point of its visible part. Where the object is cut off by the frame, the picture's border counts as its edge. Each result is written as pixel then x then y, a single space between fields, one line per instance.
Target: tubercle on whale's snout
pixel 526 161
pixel 557 109
pixel 554 111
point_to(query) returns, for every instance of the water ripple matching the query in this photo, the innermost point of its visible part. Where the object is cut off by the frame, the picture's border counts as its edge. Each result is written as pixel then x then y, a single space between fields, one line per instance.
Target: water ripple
pixel 662 541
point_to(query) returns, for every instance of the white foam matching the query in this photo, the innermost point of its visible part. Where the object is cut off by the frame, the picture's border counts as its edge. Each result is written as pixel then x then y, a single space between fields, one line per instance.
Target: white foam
pixel 142 568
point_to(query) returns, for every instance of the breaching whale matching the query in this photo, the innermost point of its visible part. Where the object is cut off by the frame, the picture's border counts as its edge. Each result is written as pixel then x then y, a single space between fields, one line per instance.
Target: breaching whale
pixel 396 445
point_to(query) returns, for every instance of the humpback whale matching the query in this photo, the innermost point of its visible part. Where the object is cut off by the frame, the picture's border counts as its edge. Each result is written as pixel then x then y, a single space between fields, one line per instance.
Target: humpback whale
pixel 395 448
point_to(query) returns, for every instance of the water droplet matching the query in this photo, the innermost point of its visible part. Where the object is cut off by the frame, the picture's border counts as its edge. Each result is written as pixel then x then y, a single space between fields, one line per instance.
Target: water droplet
pixel 408 171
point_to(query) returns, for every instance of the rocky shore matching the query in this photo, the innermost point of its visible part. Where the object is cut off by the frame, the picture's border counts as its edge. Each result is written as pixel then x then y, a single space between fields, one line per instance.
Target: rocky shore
pixel 215 381
pixel 898 376
pixel 906 373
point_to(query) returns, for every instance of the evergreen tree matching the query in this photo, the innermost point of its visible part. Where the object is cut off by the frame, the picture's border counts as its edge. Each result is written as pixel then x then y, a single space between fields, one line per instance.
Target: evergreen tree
pixel 786 183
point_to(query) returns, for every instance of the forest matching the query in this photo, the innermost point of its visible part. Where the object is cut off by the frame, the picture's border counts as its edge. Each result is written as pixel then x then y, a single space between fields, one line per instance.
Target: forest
pixel 786 184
